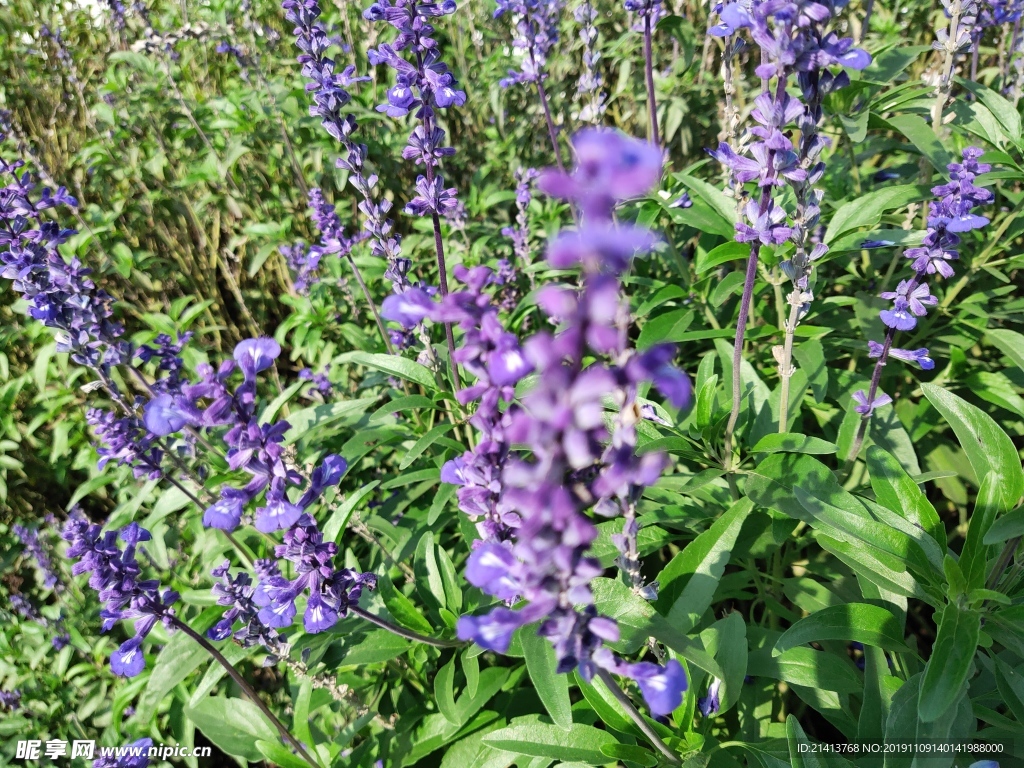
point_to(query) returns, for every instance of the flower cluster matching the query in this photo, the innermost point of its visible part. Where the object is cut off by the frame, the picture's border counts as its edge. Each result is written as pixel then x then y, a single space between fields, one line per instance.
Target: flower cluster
pixel 535 33
pixel 321 383
pixel 573 461
pixel 60 294
pixel 115 575
pixel 237 593
pixel 520 233
pixel 493 356
pixel 34 549
pixel 10 700
pixel 331 591
pixel 589 86
pixel 330 97
pixel 793 39
pixel 949 217
pixel 254 448
pixel 423 85
pixel 134 755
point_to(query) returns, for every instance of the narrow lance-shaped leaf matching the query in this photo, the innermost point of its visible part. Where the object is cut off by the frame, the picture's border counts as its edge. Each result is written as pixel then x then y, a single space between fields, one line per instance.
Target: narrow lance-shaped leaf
pixel 852 622
pixel 951 661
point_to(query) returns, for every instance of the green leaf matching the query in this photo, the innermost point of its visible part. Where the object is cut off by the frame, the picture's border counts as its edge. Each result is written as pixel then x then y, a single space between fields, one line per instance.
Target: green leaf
pixel 987 446
pixel 471 752
pixel 867 210
pixel 631 754
pixel 974 556
pixel 1010 343
pixel 897 491
pixel 951 661
pixel 319 416
pixel 425 442
pixel 1010 683
pixel 799 753
pixel 278 754
pixel 688 582
pixel 393 366
pixel 581 743
pixel 1003 111
pixel 850 622
pixel 401 607
pixel 339 518
pixel 712 195
pixel 551 687
pixel 792 442
pixel 233 725
pixel 178 659
pixel 722 254
pixel 800 666
pixel 444 691
pixel 1009 526
pixel 667 327
pixel 923 138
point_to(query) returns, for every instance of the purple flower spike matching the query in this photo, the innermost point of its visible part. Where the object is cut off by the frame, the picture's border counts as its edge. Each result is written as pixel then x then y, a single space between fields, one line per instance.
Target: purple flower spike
pixel 493 631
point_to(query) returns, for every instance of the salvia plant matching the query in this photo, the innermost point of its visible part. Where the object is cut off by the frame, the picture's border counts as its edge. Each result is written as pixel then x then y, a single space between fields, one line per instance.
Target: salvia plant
pixel 518 382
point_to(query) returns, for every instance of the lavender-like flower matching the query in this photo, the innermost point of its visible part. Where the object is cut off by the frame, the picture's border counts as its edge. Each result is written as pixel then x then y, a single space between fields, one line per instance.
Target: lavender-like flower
pixel 949 217
pixel 237 593
pixel 589 86
pixel 35 551
pixel 543 563
pixel 10 700
pixel 493 356
pixel 534 32
pixel 423 85
pixel 649 13
pixel 60 294
pixel 304 262
pixel 793 39
pixel 520 233
pixel 115 576
pixel 331 591
pixel 134 755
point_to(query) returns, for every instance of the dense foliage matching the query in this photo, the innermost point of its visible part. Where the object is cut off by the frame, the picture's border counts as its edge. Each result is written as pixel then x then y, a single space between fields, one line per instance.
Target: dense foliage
pixel 513 382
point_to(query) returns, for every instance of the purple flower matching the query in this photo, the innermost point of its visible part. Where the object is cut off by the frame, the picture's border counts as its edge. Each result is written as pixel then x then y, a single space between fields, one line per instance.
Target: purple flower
pixel 610 167
pixel 919 356
pixel 255 355
pixel 226 512
pixel 537 537
pixel 134 755
pixel 10 700
pixel 710 704
pixel 866 408
pixel 909 301
pixel 331 591
pixel 115 576
pixel 662 687
pixel 408 308
pixel 162 417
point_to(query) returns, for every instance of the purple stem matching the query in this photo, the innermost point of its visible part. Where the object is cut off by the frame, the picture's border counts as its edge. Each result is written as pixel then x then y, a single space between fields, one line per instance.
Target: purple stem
pixel 652 104
pixel 246 689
